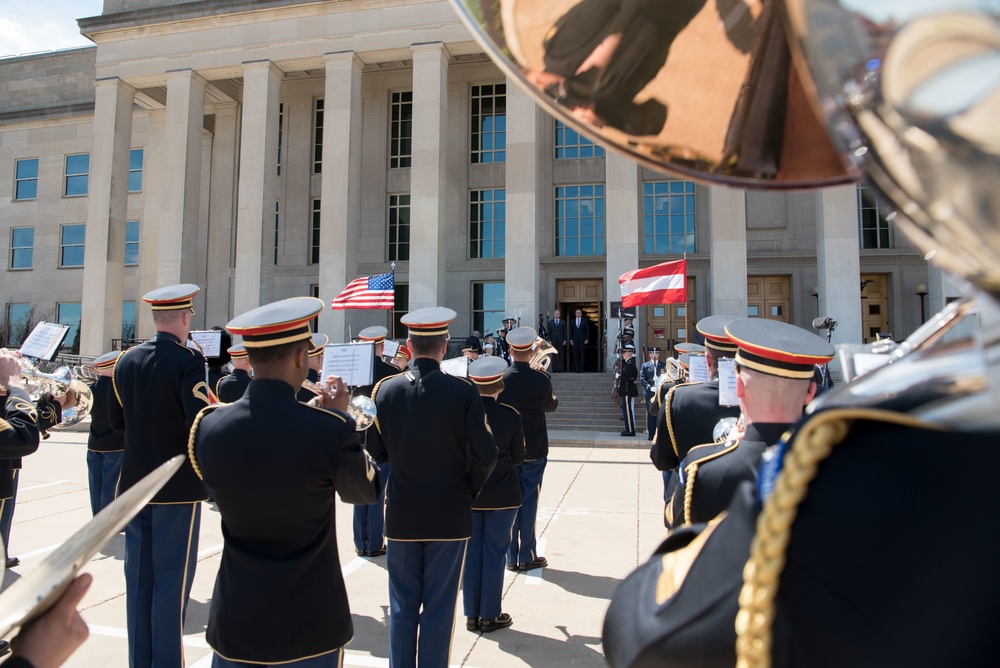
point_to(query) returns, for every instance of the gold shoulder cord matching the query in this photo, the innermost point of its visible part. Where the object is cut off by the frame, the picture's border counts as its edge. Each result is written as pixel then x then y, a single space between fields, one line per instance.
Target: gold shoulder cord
pixel 666 416
pixel 692 472
pixel 193 434
pixel 761 576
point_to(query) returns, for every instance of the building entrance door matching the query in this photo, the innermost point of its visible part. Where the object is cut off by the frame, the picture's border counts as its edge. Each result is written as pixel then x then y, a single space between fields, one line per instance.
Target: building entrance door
pixel 768 297
pixel 874 306
pixel 588 296
pixel 665 323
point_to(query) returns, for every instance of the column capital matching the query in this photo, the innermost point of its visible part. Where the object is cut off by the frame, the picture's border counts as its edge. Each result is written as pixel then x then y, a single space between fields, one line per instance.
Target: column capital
pixel 334 58
pixel 425 51
pixel 226 108
pixel 252 65
pixel 115 81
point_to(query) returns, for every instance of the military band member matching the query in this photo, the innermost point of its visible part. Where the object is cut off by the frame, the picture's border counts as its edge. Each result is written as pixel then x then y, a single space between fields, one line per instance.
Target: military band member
pixel 105 446
pixel 530 392
pixel 495 508
pixel 369 520
pixel 627 389
pixel 235 384
pixel 301 616
pixel 470 353
pixel 433 427
pixel 402 358
pixel 775 364
pixel 316 350
pixel 159 388
pixel 649 374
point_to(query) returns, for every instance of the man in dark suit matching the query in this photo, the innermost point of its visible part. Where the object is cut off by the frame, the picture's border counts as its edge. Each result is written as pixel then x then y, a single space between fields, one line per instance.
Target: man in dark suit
pixel 235 384
pixel 558 336
pixel 495 508
pixel 159 388
pixel 579 338
pixel 369 520
pixel 105 446
pixel 289 542
pixel 649 376
pixel 530 393
pixel 433 428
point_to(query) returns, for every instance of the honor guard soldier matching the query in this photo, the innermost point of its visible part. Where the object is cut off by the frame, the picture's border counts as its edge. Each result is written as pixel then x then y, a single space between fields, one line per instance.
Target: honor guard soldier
pixel 649 375
pixel 775 364
pixel 235 384
pixel 288 541
pixel 530 392
pixel 105 446
pixel 316 349
pixel 433 427
pixel 159 388
pixel 627 389
pixel 495 508
pixel 369 520
pixel 691 410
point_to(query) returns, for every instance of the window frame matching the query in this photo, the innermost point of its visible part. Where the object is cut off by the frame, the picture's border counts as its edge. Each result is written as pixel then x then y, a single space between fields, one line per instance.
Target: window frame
pixel 393 241
pixel 9 334
pixel 79 177
pixel 128 334
pixel 314 230
pixel 319 107
pixel 136 171
pixel 135 242
pixel 581 145
pixel 479 308
pixel 63 246
pixel 562 223
pixel 483 216
pixel 686 241
pixel 73 333
pixel 400 144
pixel 883 229
pixel 18 180
pixel 494 154
pixel 15 249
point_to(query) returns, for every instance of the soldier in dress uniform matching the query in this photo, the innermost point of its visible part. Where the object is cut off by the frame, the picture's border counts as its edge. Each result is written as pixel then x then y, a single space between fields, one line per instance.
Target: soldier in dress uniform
pixel 105 446
pixel 235 384
pixel 159 388
pixel 775 364
pixel 530 392
pixel 690 411
pixel 289 542
pixel 319 342
pixel 402 358
pixel 369 520
pixel 649 374
pixel 495 508
pixel 433 428
pixel 627 389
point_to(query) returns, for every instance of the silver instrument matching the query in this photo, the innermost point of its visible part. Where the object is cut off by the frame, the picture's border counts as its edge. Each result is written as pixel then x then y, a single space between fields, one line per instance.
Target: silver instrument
pixel 542 357
pixel 726 428
pixel 361 408
pixel 60 382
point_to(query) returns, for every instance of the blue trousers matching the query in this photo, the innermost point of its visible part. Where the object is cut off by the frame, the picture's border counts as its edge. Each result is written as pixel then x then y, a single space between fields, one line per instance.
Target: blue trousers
pixel 482 581
pixel 369 521
pixel 650 418
pixel 333 659
pixel 103 470
pixel 161 549
pixel 522 539
pixel 424 577
pixel 7 514
pixel 628 412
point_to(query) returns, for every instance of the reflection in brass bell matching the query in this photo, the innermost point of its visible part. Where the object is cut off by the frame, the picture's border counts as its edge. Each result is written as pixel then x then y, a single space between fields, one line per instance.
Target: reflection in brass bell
pixel 701 88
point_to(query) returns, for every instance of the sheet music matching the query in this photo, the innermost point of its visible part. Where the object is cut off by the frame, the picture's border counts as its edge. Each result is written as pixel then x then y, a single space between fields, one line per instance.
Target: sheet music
pixel 354 362
pixel 44 341
pixel 209 340
pixel 698 369
pixel 727 382
pixel 457 366
pixel 389 348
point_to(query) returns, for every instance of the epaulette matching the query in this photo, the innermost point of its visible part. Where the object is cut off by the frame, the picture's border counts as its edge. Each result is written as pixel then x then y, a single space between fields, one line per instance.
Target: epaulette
pixel 190 350
pixel 667 401
pixel 510 407
pixel 544 373
pixel 114 376
pixel 327 411
pixel 193 434
pixel 199 394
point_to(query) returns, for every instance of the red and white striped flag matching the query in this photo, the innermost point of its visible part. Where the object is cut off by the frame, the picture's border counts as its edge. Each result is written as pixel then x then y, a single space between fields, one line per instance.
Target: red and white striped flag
pixel 367 292
pixel 664 283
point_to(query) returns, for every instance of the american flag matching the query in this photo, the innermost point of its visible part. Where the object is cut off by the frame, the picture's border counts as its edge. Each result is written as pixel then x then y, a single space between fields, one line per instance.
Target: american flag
pixel 367 292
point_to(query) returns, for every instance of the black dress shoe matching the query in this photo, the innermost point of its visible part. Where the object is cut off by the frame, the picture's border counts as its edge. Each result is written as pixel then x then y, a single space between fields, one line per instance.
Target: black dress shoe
pixel 4 648
pixel 540 562
pixel 627 433
pixel 376 553
pixel 472 624
pixel 490 625
pixel 513 568
pixel 361 553
pixel 12 562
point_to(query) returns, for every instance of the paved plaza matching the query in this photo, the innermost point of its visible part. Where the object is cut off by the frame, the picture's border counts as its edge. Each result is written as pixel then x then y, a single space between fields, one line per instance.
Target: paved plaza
pixel 600 515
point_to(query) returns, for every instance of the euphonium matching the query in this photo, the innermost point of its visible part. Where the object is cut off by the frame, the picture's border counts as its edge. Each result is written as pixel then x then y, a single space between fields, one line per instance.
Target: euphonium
pixel 58 383
pixel 541 360
pixel 361 408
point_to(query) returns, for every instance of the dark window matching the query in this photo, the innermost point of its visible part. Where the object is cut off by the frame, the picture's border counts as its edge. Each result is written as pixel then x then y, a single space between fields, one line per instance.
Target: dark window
pixel 400 129
pixel 22 247
pixel 135 157
pixel 487 223
pixel 487 306
pixel 668 217
pixel 489 123
pixel 132 242
pixel 26 179
pixel 77 174
pixel 399 227
pixel 314 233
pixel 318 137
pixel 580 220
pixel 571 144
pixel 71 245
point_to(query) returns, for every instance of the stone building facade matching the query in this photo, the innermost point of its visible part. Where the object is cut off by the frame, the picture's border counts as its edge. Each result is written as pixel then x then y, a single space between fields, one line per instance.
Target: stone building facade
pixel 278 148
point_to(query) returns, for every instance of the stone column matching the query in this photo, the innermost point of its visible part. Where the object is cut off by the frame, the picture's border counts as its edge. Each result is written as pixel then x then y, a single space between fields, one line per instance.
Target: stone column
pixel 153 195
pixel 340 214
pixel 727 211
pixel 838 260
pixel 427 174
pixel 182 144
pixel 521 268
pixel 104 253
pixel 622 232
pixel 941 289
pixel 221 214
pixel 258 186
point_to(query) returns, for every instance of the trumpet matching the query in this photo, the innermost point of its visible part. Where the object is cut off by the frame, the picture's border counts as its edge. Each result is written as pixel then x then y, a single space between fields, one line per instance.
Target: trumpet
pixel 361 408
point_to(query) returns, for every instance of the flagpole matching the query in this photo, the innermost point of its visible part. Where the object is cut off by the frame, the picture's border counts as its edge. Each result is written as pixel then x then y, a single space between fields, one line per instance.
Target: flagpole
pixel 687 336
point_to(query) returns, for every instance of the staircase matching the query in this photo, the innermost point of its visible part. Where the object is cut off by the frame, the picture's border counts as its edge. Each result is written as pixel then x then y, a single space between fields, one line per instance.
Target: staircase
pixel 585 405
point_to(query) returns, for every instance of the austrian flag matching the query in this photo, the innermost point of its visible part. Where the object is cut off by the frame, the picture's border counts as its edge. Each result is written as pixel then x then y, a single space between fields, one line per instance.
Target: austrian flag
pixel 660 284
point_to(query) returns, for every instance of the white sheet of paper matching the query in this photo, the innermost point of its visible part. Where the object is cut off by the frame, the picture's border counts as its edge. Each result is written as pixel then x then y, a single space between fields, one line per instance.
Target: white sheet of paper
pixel 210 341
pixel 868 362
pixel 456 366
pixel 727 382
pixel 389 348
pixel 44 341
pixel 698 371
pixel 354 362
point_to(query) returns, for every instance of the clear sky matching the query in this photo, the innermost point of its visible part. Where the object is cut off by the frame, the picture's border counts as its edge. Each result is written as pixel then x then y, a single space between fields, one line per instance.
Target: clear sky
pixel 27 26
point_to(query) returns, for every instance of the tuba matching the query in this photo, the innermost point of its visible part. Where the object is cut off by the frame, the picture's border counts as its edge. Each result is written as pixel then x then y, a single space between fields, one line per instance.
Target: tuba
pixel 541 360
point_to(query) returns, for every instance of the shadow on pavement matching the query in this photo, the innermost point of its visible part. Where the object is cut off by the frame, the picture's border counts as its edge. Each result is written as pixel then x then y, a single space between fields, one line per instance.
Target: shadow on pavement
pixel 196 619
pixel 371 635
pixel 541 651
pixel 582 584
